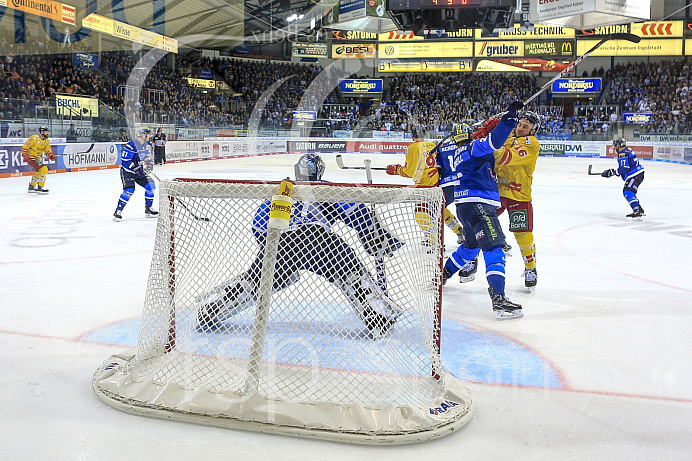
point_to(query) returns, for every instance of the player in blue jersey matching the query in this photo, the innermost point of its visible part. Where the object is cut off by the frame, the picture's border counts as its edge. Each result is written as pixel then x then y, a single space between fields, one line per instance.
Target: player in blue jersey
pixel 631 171
pixel 477 199
pixel 309 244
pixel 135 163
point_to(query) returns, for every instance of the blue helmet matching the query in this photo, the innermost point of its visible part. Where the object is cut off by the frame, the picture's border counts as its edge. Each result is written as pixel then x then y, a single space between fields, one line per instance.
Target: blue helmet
pixel 310 167
pixel 144 130
pixel 619 144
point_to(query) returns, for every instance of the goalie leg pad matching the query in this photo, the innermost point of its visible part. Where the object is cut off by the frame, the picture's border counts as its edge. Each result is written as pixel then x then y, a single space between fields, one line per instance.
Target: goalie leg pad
pixel 223 302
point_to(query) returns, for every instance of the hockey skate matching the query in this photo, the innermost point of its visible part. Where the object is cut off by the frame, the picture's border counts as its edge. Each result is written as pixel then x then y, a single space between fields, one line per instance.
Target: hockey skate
pixel 468 272
pixel 118 215
pixel 637 214
pixel 32 189
pixel 42 191
pixel 150 213
pixel 222 303
pixel 503 308
pixel 530 279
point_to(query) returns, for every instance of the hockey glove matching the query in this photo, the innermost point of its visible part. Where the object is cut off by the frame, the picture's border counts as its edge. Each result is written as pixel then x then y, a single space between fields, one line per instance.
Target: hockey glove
pixel 512 109
pixel 480 133
pixel 608 173
pixel 489 125
pixel 50 155
pixel 393 169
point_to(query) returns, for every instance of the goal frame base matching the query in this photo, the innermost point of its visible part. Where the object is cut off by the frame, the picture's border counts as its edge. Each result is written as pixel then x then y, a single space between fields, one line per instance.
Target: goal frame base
pixel 300 419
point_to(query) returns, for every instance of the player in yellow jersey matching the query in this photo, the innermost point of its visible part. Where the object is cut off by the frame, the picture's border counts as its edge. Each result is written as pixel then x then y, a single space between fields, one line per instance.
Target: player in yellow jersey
pixel 515 163
pixel 422 168
pixel 32 152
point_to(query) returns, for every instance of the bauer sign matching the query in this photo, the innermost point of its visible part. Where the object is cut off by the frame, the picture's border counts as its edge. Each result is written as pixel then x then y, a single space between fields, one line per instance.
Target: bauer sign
pixel 577 85
pixel 360 86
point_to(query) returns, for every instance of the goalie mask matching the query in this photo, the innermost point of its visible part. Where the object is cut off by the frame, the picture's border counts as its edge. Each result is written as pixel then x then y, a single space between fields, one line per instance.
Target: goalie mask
pixel 310 167
pixel 462 134
pixel 619 144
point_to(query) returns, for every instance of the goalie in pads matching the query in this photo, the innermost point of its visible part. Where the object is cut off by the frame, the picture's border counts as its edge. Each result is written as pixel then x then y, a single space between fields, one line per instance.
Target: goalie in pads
pixel 309 245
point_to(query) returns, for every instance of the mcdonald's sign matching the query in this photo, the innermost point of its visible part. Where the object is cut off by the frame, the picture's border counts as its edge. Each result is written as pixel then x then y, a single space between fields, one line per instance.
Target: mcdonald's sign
pixel 549 48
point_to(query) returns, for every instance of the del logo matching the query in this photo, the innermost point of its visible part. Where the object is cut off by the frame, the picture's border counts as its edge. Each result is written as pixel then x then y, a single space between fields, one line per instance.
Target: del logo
pixel 443 408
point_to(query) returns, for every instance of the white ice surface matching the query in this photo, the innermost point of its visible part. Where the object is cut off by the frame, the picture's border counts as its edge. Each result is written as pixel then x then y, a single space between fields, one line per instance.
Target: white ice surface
pixel 612 313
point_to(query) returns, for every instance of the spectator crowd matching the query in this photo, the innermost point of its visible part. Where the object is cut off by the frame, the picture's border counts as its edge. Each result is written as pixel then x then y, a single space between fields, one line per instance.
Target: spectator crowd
pixel 265 94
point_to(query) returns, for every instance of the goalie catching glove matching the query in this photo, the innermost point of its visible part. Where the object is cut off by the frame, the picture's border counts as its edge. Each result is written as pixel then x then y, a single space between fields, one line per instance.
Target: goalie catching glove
pixel 608 173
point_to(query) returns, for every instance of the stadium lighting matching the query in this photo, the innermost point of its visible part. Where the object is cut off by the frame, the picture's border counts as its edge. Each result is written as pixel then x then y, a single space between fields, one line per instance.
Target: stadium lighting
pixel 294 17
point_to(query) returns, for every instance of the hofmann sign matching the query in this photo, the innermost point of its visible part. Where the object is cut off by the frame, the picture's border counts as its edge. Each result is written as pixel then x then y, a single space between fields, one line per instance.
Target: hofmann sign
pixel 360 85
pixel 577 85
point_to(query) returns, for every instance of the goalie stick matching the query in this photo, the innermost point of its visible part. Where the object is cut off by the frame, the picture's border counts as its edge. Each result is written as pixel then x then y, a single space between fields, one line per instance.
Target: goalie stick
pixel 618 36
pixel 197 218
pixel 380 268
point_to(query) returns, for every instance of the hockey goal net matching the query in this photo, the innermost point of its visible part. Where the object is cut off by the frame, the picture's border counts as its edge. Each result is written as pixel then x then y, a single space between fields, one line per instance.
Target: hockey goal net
pixel 324 325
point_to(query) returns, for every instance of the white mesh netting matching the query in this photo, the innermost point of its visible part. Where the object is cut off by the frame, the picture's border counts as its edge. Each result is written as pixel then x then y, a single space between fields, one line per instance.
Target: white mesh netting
pixel 342 335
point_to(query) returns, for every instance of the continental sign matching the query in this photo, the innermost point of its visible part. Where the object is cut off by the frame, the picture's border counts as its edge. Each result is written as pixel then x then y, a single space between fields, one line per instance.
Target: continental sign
pixel 360 85
pixel 426 50
pixel 647 47
pixel 418 65
pixel 497 49
pixel 548 48
pixel 76 107
pixel 201 82
pixel 520 65
pixel 44 8
pixel 539 31
pixel 131 33
pixel 354 51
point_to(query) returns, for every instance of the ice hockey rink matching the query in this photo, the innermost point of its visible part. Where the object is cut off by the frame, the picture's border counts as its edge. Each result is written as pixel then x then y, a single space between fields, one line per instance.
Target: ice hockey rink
pixel 599 368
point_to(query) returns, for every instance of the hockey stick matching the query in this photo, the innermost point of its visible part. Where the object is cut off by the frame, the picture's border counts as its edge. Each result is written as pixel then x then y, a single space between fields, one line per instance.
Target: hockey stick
pixel 197 218
pixel 593 174
pixel 76 153
pixel 340 164
pixel 340 161
pixel 618 36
